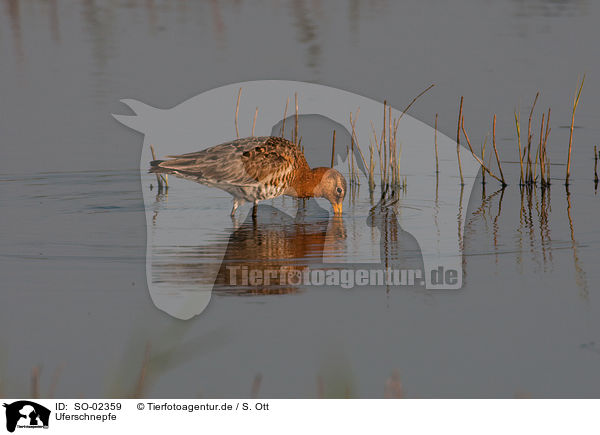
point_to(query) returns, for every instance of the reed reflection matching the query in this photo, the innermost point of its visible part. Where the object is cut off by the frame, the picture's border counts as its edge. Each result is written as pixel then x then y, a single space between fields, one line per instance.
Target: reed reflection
pixel 398 248
pixel 580 276
pixel 13 12
pixel 533 238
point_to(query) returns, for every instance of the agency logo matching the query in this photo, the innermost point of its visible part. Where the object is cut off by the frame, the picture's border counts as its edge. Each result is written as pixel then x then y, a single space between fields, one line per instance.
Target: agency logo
pixel 25 414
pixel 397 176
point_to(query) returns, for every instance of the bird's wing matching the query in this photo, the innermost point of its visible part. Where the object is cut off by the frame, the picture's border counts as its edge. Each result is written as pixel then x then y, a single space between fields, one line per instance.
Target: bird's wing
pixel 274 161
pixel 241 162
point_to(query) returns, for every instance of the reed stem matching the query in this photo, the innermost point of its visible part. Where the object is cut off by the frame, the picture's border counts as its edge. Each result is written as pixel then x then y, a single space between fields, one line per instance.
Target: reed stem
pixel 546 156
pixel 415 99
pixel 349 164
pixel 460 117
pixel 254 122
pixel 333 149
pixel 379 153
pixel 352 159
pixel 575 104
pixel 485 168
pixel 496 152
pixel 483 160
pixel 384 139
pixel 437 165
pixel 284 116
pixel 518 125
pixel 529 175
pixel 296 119
pixel 237 109
pixel 595 165
pixel 540 156
pixel 371 167
pixel 390 151
pixel 355 140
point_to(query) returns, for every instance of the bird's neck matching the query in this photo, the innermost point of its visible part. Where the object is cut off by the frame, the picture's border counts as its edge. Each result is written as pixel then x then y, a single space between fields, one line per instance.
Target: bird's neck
pixel 307 183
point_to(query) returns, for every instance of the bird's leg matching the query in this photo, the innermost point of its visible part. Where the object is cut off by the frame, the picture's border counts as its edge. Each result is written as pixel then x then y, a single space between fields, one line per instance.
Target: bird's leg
pixel 254 209
pixel 236 204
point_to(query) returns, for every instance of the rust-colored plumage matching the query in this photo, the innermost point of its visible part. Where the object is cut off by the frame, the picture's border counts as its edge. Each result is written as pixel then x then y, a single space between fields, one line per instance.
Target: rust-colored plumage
pixel 257 168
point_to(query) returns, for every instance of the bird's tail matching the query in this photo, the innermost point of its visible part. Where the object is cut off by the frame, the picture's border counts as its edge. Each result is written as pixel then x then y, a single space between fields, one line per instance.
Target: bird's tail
pixel 155 167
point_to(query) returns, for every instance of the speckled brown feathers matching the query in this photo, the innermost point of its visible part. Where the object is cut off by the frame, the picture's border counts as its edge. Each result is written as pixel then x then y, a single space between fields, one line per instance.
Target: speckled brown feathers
pixel 268 160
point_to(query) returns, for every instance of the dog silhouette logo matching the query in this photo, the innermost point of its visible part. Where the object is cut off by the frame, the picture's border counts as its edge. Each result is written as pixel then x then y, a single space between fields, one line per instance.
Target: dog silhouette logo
pixel 26 414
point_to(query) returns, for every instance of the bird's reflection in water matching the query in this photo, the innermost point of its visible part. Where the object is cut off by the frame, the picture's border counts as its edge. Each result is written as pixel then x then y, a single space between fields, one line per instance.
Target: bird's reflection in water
pixel 262 255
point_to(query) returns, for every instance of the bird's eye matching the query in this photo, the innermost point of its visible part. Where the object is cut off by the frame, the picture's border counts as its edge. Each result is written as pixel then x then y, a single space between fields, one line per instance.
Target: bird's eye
pixel 339 190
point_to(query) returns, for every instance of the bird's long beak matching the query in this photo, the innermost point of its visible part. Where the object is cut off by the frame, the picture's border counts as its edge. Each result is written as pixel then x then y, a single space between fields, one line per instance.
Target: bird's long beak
pixel 337 208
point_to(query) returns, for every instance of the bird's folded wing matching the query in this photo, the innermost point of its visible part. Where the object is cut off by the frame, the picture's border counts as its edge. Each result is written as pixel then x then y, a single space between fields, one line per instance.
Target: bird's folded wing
pixel 267 160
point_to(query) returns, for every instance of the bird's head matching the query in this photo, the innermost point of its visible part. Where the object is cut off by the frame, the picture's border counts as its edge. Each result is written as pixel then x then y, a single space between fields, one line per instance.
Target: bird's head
pixel 333 188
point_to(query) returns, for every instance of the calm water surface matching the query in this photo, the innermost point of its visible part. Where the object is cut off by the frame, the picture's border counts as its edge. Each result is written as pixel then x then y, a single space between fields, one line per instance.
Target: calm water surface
pixel 74 298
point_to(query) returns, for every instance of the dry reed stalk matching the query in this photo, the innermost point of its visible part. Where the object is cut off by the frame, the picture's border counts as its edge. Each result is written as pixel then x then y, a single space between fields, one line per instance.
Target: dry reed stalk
pixel 540 152
pixel 349 164
pixel 489 163
pixel 595 165
pixel 352 175
pixel 397 155
pixel 379 153
pixel 371 167
pixel 529 138
pixel 382 163
pixel 575 104
pixel 460 117
pixel 254 122
pixel 390 145
pixel 390 152
pixel 237 109
pixel 355 140
pixel 160 178
pixel 284 116
pixel 333 149
pixel 518 125
pixel 437 166
pixel 296 118
pixel 415 99
pixel 546 156
pixel 496 152
pixel 384 139
pixel 484 167
pixel 396 180
pixel 483 159
pixel 543 155
pixel 393 148
pixel 397 150
pixel 395 167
